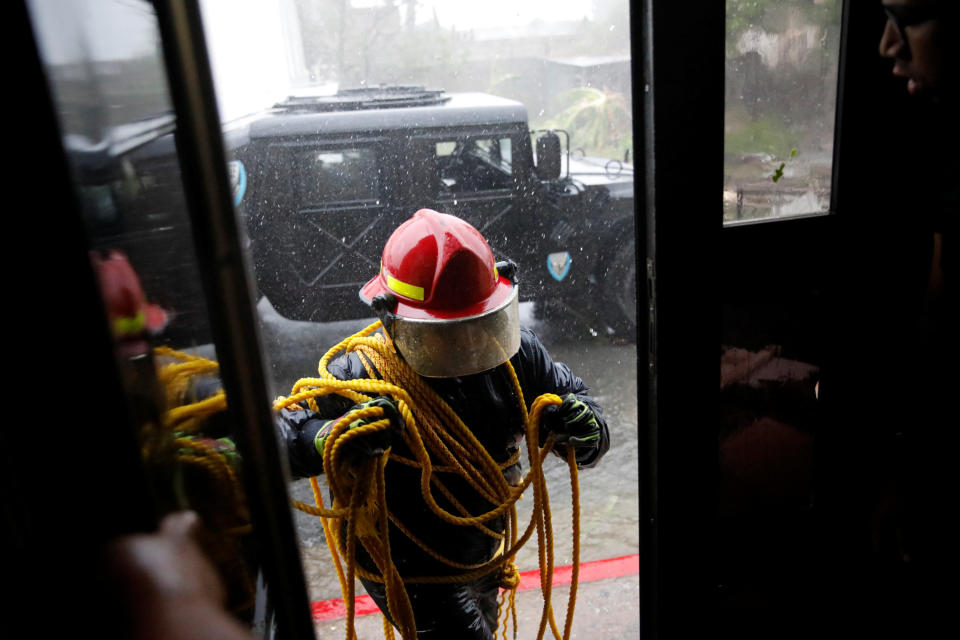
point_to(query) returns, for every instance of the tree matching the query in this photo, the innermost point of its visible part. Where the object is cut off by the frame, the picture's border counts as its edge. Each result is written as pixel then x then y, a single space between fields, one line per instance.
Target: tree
pixel 769 15
pixel 783 103
pixel 599 121
pixel 338 39
pixel 371 44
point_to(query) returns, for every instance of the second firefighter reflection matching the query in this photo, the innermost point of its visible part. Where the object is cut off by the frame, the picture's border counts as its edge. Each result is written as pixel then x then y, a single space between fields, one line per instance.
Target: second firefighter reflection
pixel 451 313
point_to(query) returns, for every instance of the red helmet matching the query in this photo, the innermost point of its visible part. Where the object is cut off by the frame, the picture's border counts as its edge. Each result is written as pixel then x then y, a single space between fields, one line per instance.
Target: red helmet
pixel 127 308
pixel 445 305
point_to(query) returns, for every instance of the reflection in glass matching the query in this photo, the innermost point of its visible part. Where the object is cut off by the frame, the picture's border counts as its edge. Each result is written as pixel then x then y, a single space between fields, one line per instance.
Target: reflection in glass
pixel 781 80
pixel 105 70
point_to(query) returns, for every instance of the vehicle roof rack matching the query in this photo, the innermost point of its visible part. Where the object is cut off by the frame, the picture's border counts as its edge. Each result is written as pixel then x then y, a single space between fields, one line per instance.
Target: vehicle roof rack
pixel 381 97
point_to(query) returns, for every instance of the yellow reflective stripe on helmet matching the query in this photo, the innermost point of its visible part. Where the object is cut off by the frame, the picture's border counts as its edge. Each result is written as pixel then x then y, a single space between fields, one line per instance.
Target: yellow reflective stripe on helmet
pixel 129 326
pixel 404 289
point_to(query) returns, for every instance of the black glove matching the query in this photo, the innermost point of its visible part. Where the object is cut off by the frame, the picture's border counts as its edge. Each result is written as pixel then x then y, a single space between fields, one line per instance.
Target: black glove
pixel 373 444
pixel 571 423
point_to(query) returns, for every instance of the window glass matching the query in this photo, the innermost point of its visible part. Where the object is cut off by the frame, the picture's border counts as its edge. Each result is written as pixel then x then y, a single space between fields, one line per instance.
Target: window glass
pixel 337 175
pixel 781 79
pixel 104 65
pixel 84 49
pixel 475 165
pixel 446 148
pixel 399 106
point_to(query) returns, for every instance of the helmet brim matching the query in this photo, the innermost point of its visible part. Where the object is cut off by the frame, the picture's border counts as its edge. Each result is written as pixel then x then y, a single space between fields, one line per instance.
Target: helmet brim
pixel 447 348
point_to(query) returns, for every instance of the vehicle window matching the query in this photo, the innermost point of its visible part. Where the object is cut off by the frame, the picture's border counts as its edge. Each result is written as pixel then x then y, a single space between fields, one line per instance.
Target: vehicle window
pixel 337 176
pixel 496 151
pixel 782 60
pixel 475 165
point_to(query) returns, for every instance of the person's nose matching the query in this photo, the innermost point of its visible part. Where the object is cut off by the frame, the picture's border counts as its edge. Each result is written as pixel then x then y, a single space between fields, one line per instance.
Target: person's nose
pixel 891 44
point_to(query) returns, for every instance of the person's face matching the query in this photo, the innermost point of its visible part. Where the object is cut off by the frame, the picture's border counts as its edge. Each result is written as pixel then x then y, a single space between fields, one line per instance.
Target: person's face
pixel 914 38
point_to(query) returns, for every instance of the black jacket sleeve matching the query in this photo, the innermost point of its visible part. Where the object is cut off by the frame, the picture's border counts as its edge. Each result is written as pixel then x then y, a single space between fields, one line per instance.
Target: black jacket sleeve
pixel 539 374
pixel 298 428
pixel 298 425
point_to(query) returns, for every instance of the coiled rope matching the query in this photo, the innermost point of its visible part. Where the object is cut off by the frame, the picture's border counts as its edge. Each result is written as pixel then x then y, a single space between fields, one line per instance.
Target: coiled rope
pixel 440 443
pixel 205 478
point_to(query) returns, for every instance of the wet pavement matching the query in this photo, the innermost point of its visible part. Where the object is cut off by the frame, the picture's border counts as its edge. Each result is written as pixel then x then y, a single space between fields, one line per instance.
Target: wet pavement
pixel 608 493
pixel 605 609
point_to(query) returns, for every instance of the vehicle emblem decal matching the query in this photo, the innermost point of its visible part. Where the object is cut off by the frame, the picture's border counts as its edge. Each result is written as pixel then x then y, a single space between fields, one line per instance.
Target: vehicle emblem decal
pixel 558 264
pixel 238 180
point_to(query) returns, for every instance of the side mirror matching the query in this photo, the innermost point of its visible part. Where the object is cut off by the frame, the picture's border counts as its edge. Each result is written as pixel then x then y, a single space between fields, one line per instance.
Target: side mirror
pixel 548 156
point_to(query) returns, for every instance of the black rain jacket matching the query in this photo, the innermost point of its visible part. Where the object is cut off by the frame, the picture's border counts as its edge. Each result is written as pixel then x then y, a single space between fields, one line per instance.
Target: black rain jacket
pixel 487 404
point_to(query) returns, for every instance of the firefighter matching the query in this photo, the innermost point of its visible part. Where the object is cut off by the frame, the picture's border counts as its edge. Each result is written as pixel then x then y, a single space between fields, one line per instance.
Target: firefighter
pixel 451 313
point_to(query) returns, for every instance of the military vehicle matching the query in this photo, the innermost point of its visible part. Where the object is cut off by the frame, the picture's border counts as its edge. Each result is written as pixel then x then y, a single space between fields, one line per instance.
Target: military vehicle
pixel 329 178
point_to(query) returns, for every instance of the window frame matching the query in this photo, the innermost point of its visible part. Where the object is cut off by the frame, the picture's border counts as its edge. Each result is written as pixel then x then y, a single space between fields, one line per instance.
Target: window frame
pixel 219 250
pixel 816 258
pixel 674 45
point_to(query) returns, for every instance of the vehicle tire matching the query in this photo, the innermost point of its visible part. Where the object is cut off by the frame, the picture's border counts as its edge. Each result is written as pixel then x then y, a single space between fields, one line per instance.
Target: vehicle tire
pixel 621 291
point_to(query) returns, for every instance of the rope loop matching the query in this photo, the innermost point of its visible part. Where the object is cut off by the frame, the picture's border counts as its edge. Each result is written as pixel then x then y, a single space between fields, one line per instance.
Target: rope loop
pixel 203 470
pixel 509 577
pixel 440 443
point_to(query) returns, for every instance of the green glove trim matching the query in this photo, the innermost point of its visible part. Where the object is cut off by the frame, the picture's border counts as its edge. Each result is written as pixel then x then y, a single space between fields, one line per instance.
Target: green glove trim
pixel 321 438
pixel 390 412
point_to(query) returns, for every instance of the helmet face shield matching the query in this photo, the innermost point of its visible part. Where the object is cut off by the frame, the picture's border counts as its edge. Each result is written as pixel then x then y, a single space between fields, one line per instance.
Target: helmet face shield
pixel 452 348
pixel 442 300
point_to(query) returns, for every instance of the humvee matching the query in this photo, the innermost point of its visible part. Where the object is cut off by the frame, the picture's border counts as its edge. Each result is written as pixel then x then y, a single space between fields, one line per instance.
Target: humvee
pixel 329 179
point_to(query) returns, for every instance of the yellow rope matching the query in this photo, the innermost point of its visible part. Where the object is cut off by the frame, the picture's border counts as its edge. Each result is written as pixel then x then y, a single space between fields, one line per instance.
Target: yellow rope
pixel 440 443
pixel 186 415
pixel 223 507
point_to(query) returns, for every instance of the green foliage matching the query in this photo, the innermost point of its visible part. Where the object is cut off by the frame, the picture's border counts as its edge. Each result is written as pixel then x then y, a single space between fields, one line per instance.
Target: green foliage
pixel 769 15
pixel 500 80
pixel 764 135
pixel 599 121
pixel 370 44
pixel 742 14
pixel 779 172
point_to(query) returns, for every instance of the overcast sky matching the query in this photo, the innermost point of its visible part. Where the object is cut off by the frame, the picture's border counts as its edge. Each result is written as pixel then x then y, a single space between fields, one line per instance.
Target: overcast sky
pixel 111 25
pixel 248 45
pixel 492 13
pixel 101 29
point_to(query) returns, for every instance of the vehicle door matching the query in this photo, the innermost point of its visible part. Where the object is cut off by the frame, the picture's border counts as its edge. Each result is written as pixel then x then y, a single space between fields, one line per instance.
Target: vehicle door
pixel 336 196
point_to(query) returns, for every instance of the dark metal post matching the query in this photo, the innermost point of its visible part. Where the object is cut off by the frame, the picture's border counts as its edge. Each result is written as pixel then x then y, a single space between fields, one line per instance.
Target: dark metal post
pixel 200 148
pixel 683 97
